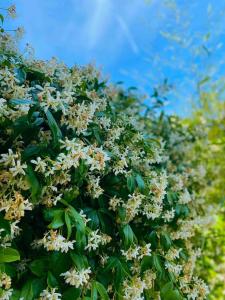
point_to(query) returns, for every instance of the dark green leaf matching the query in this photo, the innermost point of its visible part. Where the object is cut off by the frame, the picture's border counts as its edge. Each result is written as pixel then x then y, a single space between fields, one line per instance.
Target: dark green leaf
pixel 71 294
pixel 34 184
pixel 166 240
pixel 51 280
pixel 68 224
pixel 27 291
pixel 131 183
pixel 79 260
pixel 157 263
pixel 128 235
pixel 38 266
pixel 56 132
pixel 140 182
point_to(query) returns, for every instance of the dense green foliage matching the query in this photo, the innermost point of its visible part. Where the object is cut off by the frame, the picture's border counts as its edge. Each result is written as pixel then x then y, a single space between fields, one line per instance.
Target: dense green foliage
pixel 102 197
pixel 209 118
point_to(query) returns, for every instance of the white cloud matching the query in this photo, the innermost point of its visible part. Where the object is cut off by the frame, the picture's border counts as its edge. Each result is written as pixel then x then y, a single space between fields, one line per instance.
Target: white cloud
pixel 98 20
pixel 128 34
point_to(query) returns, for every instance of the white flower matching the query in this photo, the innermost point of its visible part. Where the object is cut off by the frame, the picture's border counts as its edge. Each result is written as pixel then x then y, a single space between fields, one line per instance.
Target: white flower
pixel 52 241
pixel 40 165
pixel 152 211
pixel 84 217
pixel 149 277
pixel 185 197
pixel 50 294
pixel 176 269
pixel 6 295
pixel 94 240
pixel 18 168
pixel 173 253
pixel 114 203
pixel 8 158
pixel 133 204
pixel 169 215
pixel 145 251
pixel 15 230
pixel 134 289
pixel 15 207
pixel 131 253
pixel 77 278
pixel 193 295
pixel 93 187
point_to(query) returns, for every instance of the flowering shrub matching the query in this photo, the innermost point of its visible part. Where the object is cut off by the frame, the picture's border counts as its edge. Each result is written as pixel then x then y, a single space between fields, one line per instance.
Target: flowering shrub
pixel 94 204
pixel 210 119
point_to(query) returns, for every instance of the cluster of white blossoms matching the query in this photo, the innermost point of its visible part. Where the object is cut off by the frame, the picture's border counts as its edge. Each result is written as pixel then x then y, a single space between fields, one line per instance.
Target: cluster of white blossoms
pixel 53 241
pixel 95 239
pixel 15 207
pixel 133 289
pixel 76 150
pixel 77 278
pixel 86 182
pixel 133 205
pixel 50 294
pixel 185 197
pixel 137 252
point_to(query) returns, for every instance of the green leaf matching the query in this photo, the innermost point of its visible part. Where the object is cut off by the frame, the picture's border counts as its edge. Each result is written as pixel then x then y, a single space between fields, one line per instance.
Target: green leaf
pixel 112 263
pixel 71 294
pixel 27 291
pixel 57 219
pixel 34 184
pixel 153 239
pixel 96 134
pixel 94 292
pixel 131 183
pixel 79 260
pixel 68 224
pixel 166 240
pixel 146 263
pixel 140 182
pixel 21 101
pixel 157 263
pixel 92 214
pixel 71 194
pixel 20 75
pixel 77 218
pixel 59 262
pixel 51 280
pixel 81 240
pixel 9 255
pixel 56 132
pixel 101 290
pixel 128 235
pixel 15 295
pixel 31 150
pixel 169 293
pixel 166 288
pixel 32 288
pixel 39 266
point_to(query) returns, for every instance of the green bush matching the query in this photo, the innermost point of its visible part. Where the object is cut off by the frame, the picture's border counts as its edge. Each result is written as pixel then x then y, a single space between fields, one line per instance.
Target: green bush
pixel 97 200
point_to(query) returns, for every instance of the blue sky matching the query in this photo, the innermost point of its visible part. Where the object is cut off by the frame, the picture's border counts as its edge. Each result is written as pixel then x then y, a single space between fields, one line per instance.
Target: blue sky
pixel 139 42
